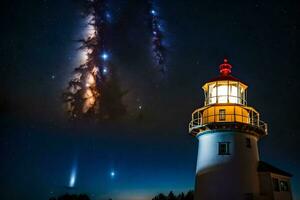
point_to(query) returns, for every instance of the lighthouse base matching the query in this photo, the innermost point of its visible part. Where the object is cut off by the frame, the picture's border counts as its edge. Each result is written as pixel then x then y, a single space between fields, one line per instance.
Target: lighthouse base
pixel 227 173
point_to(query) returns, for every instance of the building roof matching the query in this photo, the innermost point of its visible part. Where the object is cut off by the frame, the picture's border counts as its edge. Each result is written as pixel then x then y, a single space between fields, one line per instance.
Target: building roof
pixel 225 78
pixel 265 167
pixel 225 73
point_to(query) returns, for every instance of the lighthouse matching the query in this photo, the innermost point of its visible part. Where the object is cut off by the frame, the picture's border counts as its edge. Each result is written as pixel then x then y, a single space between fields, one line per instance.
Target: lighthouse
pixel 228 130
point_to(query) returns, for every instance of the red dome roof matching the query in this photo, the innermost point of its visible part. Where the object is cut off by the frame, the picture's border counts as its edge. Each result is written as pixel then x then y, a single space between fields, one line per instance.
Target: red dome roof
pixel 225 73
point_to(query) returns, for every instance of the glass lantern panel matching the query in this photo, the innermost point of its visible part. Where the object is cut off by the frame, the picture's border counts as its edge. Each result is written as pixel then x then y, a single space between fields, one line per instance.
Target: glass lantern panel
pixel 222 93
pixel 212 93
pixel 233 93
pixel 225 92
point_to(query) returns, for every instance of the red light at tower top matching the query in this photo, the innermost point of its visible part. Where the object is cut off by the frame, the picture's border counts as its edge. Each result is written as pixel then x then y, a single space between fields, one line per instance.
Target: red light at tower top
pixel 225 68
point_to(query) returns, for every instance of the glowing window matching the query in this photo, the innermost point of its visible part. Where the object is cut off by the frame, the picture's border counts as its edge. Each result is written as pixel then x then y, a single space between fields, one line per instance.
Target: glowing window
pixel 222 93
pixel 225 92
pixel 233 94
pixel 212 93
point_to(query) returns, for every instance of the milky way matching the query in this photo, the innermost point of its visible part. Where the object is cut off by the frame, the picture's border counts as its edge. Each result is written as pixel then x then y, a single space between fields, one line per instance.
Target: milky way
pixel 93 88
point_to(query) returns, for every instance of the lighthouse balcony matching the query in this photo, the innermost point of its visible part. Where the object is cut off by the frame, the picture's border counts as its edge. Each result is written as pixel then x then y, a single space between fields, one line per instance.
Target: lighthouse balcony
pixel 227 116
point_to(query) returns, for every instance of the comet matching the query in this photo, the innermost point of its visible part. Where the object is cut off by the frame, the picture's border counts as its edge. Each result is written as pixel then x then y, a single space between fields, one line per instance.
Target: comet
pixel 73 175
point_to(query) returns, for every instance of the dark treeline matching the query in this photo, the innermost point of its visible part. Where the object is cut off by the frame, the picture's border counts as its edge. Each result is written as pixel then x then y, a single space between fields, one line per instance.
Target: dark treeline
pixel 71 197
pixel 182 196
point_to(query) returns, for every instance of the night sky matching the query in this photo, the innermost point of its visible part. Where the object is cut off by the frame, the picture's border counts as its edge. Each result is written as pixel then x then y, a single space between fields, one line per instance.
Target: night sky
pixel 137 158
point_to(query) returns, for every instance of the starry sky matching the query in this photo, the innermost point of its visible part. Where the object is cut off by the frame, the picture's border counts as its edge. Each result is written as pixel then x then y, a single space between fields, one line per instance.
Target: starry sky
pixel 137 158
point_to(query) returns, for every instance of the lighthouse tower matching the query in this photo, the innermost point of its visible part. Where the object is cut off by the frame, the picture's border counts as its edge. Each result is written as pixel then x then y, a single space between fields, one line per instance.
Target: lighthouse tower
pixel 228 131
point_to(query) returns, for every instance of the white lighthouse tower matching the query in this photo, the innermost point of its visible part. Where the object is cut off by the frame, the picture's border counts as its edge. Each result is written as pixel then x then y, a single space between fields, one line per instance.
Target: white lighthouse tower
pixel 228 131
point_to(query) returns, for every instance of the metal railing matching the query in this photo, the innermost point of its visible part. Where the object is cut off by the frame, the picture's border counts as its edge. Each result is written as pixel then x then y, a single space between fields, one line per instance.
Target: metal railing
pixel 201 121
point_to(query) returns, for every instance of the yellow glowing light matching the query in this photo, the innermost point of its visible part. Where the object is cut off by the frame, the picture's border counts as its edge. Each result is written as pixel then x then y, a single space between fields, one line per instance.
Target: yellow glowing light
pixel 233 94
pixel 224 94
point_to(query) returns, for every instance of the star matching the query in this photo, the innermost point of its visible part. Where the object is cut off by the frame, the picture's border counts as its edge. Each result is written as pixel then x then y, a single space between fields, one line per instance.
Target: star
pixel 112 174
pixel 104 56
pixel 105 70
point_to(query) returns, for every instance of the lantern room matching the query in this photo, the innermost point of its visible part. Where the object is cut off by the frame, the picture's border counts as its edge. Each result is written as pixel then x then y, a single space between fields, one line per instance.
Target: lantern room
pixel 225 88
pixel 225 105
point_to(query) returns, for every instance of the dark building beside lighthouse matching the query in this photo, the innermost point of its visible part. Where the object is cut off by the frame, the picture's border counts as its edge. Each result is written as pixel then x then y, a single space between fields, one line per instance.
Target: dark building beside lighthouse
pixel 228 165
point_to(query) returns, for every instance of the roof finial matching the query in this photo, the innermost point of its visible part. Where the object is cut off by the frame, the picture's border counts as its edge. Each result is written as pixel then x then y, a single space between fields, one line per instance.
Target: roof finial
pixel 225 68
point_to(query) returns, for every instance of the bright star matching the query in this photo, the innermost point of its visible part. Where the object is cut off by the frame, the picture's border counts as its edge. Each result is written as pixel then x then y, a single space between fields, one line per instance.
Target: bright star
pixel 105 70
pixel 104 56
pixel 112 174
pixel 153 12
